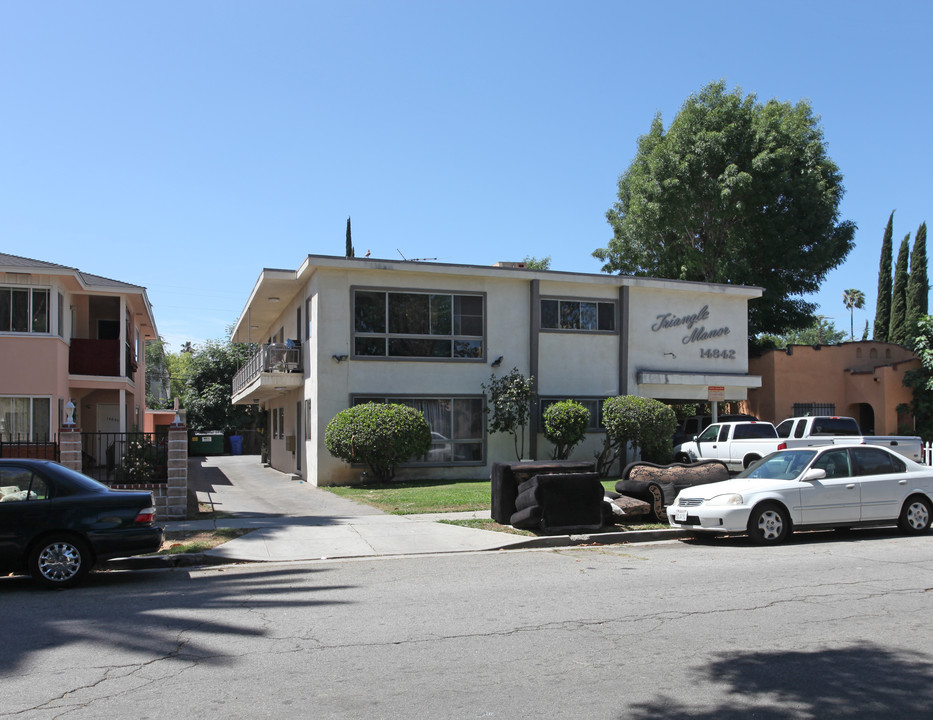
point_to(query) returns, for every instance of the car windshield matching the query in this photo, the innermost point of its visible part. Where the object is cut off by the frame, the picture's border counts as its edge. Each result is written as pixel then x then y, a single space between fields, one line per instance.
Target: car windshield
pixel 781 465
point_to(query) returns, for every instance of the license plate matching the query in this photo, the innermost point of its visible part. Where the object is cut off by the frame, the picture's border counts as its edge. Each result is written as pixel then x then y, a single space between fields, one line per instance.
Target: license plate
pixel 680 516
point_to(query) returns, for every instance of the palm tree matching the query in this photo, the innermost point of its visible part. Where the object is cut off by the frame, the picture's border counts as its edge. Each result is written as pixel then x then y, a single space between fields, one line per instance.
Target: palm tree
pixel 853 299
pixel 187 347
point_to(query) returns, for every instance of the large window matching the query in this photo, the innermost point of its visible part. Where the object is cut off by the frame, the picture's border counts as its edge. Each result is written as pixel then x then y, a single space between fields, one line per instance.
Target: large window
pixel 593 405
pixel 24 419
pixel 457 427
pixel 580 315
pixel 24 310
pixel 417 325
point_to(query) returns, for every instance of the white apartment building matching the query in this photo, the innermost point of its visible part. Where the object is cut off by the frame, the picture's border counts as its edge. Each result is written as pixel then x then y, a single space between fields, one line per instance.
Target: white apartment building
pixel 339 331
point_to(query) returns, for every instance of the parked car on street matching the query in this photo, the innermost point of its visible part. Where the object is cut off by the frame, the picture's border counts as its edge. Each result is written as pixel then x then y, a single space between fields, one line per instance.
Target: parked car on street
pixel 812 488
pixel 56 524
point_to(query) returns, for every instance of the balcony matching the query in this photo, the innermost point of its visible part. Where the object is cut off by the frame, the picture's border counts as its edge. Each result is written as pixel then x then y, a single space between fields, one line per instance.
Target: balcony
pixel 99 358
pixel 272 369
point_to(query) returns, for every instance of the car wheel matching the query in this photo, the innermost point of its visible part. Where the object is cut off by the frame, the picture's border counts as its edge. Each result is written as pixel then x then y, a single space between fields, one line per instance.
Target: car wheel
pixel 657 503
pixel 59 561
pixel 682 458
pixel 750 460
pixel 768 524
pixel 916 515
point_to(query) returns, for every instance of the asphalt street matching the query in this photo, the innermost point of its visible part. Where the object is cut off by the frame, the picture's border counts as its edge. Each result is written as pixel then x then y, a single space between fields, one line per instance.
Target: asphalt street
pixel 826 626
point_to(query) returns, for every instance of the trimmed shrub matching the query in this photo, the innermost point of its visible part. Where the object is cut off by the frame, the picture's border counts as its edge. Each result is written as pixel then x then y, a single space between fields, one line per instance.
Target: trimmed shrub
pixel 379 435
pixel 565 425
pixel 636 422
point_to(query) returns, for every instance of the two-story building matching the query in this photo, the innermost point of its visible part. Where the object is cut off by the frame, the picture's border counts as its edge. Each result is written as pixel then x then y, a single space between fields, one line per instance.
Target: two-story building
pixel 69 336
pixel 340 331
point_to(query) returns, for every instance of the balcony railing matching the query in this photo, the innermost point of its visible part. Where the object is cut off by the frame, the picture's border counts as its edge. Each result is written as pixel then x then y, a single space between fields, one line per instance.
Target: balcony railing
pixel 269 358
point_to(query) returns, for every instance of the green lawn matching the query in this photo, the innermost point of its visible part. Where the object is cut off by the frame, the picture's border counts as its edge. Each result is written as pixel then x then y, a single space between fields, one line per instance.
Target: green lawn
pixel 429 496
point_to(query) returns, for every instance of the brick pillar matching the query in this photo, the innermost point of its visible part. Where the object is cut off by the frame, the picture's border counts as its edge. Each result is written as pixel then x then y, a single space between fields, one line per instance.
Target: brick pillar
pixel 69 447
pixel 176 507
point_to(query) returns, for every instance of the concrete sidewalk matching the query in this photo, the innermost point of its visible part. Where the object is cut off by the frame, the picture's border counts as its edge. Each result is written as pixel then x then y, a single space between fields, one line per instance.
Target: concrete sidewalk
pixel 292 520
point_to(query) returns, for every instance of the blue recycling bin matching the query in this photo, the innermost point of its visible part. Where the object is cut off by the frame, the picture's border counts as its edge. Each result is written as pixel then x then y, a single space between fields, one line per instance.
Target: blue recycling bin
pixel 236 444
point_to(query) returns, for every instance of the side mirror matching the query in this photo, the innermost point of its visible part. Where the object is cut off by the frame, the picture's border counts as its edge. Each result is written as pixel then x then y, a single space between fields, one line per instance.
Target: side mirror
pixel 814 474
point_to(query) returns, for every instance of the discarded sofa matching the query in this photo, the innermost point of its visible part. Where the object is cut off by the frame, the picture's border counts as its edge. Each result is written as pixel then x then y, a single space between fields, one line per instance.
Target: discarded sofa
pixel 658 485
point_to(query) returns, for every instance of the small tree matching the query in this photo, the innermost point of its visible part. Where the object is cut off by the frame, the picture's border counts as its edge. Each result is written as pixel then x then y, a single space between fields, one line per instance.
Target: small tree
pixel 565 425
pixel 350 251
pixel 379 435
pixel 853 299
pixel 510 399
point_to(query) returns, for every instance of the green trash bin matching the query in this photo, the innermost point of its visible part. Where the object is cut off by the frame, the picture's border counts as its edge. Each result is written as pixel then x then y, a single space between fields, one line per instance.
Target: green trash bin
pixel 206 443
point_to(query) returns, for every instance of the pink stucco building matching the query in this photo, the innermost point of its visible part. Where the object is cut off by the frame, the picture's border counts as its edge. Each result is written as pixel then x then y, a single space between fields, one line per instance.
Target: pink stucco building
pixel 69 336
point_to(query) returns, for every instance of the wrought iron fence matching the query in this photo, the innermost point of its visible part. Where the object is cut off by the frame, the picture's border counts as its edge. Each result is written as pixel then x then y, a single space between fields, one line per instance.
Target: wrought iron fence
pixel 27 447
pixel 125 458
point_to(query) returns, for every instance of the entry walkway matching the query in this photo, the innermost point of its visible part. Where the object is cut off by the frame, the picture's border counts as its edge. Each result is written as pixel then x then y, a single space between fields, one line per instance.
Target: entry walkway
pixel 297 521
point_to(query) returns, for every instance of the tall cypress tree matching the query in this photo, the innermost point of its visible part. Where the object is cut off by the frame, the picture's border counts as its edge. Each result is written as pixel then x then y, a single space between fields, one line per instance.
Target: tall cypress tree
pixel 918 287
pixel 883 304
pixel 350 252
pixel 898 331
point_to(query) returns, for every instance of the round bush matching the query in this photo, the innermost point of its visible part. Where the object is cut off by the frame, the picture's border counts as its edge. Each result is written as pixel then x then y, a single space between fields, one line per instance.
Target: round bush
pixel 379 435
pixel 565 425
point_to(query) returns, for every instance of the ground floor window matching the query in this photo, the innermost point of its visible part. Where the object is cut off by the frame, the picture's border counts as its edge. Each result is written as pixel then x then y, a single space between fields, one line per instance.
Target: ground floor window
pixel 593 405
pixel 457 427
pixel 25 419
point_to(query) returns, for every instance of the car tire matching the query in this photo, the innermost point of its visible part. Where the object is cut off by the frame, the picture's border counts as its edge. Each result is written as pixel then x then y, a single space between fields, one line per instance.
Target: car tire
pixel 59 561
pixel 769 524
pixel 750 460
pixel 682 458
pixel 916 515
pixel 657 502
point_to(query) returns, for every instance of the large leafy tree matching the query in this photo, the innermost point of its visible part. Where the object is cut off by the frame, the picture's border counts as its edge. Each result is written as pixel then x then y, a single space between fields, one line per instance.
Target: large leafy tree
pixel 821 331
pixel 918 286
pixel 734 191
pixel 883 303
pixel 209 386
pixel 897 330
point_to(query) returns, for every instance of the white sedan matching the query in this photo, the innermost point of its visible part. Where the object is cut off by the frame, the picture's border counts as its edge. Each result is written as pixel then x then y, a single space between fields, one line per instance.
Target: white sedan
pixel 811 488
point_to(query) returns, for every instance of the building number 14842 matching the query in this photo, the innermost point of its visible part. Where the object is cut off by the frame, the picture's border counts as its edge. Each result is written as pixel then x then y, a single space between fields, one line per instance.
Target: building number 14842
pixel 723 354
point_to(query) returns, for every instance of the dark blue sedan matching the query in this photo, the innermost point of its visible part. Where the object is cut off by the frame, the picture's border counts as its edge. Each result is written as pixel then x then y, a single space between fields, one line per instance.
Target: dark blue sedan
pixel 56 524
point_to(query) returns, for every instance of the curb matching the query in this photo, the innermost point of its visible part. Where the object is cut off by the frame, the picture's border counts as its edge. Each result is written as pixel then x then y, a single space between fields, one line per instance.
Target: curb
pixel 158 562
pixel 186 560
pixel 606 538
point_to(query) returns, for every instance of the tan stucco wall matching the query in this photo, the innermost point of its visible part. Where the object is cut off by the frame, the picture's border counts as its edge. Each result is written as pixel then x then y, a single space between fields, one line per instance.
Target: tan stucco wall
pixel 846 375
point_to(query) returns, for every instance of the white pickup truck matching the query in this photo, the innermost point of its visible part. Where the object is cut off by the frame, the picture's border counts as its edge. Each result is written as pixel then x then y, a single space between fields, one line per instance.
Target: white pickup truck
pixel 737 444
pixel 824 429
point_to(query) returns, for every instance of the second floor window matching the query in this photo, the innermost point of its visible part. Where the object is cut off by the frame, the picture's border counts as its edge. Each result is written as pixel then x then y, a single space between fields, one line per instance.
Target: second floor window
pixel 583 315
pixel 418 325
pixel 24 310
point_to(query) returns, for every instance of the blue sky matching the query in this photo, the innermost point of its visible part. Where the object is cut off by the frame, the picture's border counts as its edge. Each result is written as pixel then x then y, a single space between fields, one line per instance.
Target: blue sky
pixel 184 146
